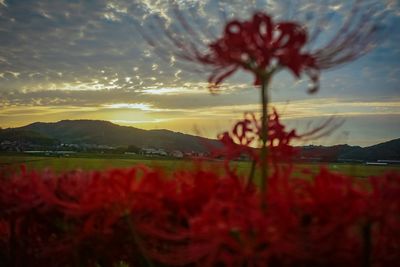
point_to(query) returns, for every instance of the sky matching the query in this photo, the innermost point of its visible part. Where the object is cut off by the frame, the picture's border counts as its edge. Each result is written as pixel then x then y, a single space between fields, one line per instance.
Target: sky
pixel 69 59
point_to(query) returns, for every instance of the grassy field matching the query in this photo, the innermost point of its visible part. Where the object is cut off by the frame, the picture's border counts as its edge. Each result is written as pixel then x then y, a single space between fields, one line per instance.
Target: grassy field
pixel 85 162
pixel 107 161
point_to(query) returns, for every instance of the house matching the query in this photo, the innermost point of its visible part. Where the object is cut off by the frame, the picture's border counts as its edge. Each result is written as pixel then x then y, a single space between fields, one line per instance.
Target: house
pixel 154 152
pixel 176 154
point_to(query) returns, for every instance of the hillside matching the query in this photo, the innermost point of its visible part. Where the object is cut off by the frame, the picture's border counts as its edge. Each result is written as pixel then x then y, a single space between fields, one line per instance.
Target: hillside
pixel 107 133
pixel 326 153
pixel 384 151
pixel 26 136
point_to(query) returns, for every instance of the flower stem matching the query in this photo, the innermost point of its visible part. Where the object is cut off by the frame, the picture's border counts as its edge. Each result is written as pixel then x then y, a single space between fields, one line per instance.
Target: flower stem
pixel 251 174
pixel 264 138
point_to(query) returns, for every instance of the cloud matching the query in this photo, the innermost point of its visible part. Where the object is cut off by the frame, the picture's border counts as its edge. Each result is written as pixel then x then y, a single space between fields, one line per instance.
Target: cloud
pixel 194 99
pixel 40 39
pixel 192 96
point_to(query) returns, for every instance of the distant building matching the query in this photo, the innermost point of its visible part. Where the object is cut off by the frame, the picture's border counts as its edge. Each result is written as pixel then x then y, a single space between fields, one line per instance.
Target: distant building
pixel 177 154
pixel 389 161
pixel 350 160
pixel 154 152
pixel 311 159
pixel 376 163
pixel 49 152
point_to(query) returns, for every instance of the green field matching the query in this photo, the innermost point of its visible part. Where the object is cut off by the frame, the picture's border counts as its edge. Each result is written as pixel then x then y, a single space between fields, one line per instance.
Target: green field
pixel 107 161
pixel 85 162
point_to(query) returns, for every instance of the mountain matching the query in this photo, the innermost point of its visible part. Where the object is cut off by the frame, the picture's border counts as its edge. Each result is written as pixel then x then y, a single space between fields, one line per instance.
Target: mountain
pixel 26 136
pixel 384 151
pixel 109 134
pixel 106 133
pixel 326 153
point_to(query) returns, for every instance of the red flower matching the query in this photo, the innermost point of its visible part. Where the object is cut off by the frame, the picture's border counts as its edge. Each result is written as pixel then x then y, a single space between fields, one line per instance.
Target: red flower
pixel 242 140
pixel 245 138
pixel 259 46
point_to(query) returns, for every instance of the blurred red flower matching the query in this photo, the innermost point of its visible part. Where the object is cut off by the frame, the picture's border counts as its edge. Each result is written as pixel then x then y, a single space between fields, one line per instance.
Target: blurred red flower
pixel 259 46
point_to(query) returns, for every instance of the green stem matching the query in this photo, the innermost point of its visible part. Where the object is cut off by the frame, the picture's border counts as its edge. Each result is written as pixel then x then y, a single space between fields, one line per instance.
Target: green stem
pixel 251 174
pixel 264 139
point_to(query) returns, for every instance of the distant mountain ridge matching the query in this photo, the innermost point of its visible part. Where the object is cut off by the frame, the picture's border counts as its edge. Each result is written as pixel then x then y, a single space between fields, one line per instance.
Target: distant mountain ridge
pixel 389 150
pixel 110 134
pixel 107 133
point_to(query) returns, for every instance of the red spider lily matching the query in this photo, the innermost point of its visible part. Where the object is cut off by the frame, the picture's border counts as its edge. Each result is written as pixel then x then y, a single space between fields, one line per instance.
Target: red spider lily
pixel 186 33
pixel 245 138
pixel 242 140
pixel 260 46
